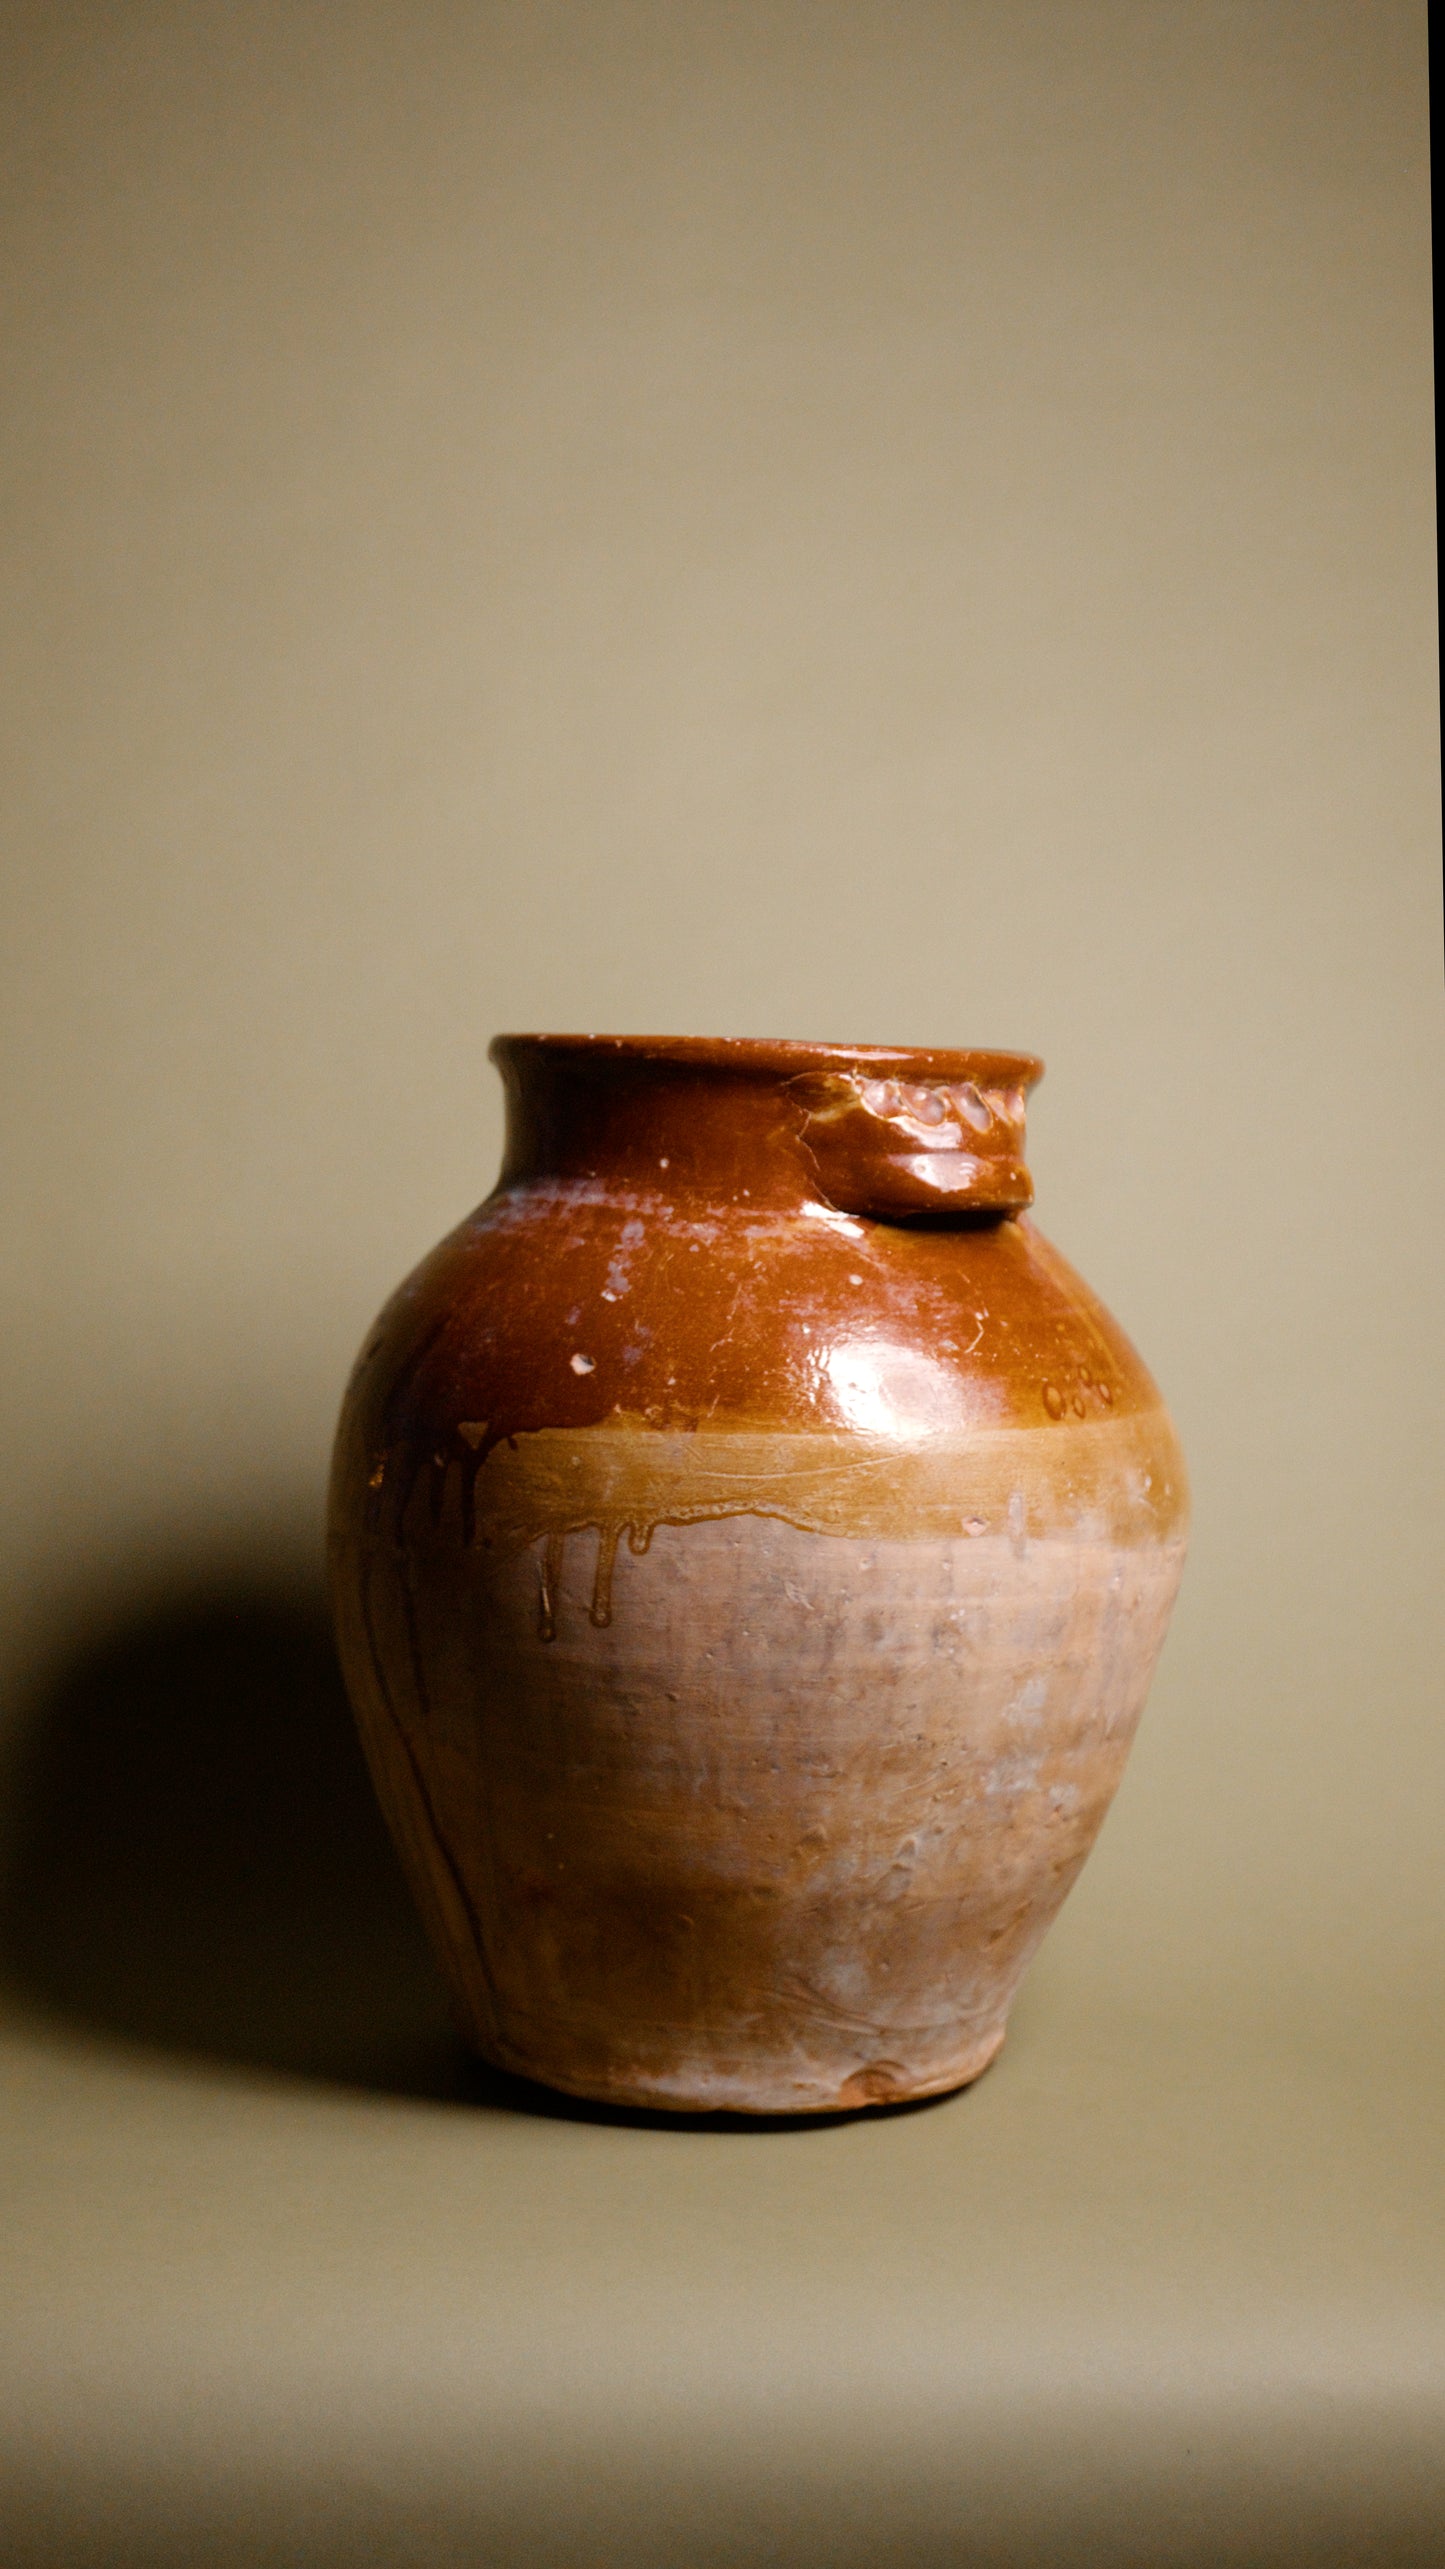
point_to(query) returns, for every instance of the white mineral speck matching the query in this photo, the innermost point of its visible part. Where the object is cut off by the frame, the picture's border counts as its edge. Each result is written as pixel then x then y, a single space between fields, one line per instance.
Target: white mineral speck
pixel 583 1365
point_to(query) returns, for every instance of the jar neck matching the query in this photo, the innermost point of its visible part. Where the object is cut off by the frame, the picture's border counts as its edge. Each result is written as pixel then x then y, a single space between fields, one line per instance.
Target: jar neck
pixel 901 1135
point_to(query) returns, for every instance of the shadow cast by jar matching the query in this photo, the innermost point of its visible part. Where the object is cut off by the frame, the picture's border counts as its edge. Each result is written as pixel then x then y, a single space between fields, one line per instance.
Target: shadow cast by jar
pixel 197 1863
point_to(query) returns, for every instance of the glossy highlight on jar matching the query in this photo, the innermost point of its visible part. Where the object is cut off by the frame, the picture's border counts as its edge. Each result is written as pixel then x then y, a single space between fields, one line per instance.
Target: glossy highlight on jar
pixel 751 1544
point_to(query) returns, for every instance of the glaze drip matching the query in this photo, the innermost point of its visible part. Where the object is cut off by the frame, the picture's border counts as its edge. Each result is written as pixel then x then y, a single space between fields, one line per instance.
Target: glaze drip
pixel 600 1610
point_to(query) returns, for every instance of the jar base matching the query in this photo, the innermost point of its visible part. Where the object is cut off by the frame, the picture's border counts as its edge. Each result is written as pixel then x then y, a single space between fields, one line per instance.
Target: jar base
pixel 766 2095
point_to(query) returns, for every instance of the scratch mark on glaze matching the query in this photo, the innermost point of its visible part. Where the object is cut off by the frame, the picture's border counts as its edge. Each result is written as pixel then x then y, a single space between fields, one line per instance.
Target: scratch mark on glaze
pixel 549 1582
pixel 806 1994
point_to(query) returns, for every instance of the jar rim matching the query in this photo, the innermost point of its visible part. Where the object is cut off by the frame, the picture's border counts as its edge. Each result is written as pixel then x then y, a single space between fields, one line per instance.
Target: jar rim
pixel 768 1057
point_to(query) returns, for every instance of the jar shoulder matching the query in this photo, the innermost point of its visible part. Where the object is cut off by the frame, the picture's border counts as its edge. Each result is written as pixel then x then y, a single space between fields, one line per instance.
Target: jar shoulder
pixel 564 1308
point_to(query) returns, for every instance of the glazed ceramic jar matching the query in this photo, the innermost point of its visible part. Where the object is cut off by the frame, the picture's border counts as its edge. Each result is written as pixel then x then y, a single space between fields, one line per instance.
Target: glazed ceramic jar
pixel 751 1544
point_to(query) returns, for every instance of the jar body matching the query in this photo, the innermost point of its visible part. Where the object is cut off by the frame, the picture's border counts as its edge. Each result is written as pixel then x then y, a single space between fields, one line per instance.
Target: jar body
pixel 747 1598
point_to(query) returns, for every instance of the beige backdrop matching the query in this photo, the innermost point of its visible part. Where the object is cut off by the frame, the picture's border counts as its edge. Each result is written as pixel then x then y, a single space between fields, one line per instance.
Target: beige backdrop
pixel 899 522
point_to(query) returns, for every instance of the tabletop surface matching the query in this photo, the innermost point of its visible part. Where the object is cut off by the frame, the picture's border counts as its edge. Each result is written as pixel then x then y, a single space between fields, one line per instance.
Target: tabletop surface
pixel 1154 2290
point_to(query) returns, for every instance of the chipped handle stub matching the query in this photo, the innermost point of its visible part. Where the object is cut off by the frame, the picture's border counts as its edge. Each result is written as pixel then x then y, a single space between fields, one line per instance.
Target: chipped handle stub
pixel 905 1150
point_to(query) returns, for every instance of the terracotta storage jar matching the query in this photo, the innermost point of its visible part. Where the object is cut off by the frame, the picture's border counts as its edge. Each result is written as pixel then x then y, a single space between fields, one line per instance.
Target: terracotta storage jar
pixel 751 1544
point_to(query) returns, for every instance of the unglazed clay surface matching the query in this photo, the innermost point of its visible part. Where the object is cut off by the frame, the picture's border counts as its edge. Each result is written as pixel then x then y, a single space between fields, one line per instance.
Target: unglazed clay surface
pixel 748 1595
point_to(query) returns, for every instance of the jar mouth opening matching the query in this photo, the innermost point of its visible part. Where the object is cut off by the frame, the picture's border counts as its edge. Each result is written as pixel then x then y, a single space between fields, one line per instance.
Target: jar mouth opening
pixel 764 1057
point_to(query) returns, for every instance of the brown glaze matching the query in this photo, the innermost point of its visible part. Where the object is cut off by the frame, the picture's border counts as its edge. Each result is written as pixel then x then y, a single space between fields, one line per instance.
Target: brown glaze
pixel 751 1544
